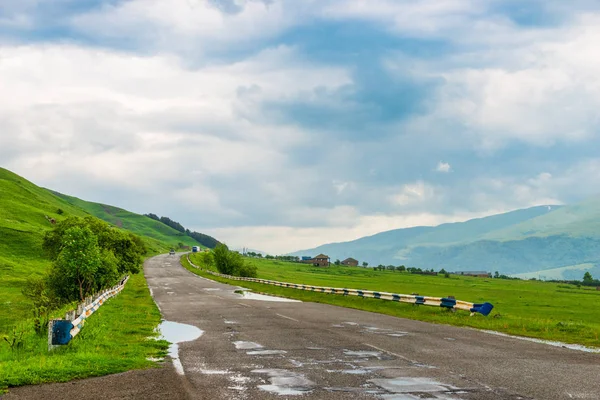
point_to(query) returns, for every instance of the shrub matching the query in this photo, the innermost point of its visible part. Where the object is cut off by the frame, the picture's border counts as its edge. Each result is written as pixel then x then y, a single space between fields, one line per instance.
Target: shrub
pixel 231 262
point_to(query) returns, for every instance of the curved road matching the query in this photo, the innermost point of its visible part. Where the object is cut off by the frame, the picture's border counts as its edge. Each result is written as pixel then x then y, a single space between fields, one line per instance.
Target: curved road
pixel 257 349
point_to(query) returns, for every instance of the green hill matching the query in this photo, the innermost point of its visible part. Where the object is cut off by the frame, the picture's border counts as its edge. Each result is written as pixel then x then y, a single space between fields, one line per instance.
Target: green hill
pixel 578 220
pixel 25 214
pixel 136 223
pixel 523 241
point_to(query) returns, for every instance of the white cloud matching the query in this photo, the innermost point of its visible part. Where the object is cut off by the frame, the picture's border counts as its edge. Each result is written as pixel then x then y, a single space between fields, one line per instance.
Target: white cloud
pixel 184 25
pixel 195 138
pixel 413 193
pixel 541 93
pixel 443 167
pixel 146 121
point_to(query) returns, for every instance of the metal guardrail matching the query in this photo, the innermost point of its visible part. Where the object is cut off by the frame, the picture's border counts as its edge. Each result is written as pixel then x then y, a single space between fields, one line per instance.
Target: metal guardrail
pixel 62 331
pixel 446 302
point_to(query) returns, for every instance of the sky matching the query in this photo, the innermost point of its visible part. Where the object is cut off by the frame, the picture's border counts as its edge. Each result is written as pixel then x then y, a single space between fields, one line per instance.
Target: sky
pixel 281 125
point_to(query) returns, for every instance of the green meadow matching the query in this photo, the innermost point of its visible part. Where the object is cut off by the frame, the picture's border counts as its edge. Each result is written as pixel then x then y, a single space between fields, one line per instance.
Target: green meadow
pixel 116 338
pixel 527 308
pixel 23 223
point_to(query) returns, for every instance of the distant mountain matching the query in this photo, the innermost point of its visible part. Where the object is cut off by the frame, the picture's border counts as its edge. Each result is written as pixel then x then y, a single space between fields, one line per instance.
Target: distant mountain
pixel 523 241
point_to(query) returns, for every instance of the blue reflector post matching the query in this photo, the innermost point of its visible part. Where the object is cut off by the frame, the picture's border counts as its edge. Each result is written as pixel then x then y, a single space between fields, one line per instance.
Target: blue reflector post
pixel 449 303
pixel 485 308
pixel 61 332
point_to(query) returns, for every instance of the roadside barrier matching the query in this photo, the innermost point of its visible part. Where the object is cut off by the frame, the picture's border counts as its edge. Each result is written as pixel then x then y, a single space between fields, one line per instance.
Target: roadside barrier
pixel 446 302
pixel 62 331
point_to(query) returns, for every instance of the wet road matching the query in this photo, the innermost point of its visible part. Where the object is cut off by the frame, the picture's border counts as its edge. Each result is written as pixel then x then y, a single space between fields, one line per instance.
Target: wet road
pixel 256 349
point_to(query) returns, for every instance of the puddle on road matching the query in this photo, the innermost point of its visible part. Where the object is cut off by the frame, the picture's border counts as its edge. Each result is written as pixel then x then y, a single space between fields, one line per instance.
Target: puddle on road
pixel 362 354
pixel 175 333
pixel 414 388
pixel 357 371
pixel 247 295
pixel 243 345
pixel 284 382
pixel 265 352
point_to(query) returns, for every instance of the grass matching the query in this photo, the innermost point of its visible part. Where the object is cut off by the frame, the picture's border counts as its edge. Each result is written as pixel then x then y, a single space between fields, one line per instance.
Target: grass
pixel 116 338
pixel 527 308
pixel 136 223
pixel 23 210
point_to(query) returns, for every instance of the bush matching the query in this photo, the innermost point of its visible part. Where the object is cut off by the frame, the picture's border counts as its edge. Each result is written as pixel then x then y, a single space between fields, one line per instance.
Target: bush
pixel 207 259
pixel 231 262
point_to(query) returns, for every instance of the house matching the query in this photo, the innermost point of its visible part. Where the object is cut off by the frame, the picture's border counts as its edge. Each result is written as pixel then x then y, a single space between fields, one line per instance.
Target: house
pixel 480 274
pixel 319 261
pixel 351 262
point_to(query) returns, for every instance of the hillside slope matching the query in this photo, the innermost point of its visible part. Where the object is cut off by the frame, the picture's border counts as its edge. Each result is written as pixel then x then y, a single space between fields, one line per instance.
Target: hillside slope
pixel 136 223
pixel 521 241
pixel 23 223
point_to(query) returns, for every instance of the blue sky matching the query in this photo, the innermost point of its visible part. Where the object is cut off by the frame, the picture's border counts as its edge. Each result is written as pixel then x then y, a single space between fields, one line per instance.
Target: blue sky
pixel 286 124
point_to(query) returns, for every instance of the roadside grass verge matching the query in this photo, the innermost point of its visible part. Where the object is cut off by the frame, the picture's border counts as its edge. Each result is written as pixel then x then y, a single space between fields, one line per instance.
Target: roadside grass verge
pixel 120 336
pixel 524 308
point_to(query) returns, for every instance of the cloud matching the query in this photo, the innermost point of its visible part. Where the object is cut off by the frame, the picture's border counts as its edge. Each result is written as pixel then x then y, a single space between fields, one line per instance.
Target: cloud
pixel 283 124
pixel 443 167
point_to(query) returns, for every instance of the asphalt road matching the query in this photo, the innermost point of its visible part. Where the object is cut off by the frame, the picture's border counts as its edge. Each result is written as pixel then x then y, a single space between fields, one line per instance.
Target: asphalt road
pixel 257 349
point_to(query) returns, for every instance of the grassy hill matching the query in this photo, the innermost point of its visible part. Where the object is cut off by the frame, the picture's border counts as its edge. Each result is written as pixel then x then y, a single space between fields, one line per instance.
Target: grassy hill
pixel 23 223
pixel 522 241
pixel 136 223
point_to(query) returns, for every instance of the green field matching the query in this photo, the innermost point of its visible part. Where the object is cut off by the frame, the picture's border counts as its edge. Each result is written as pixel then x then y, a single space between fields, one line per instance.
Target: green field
pixel 527 308
pixel 116 338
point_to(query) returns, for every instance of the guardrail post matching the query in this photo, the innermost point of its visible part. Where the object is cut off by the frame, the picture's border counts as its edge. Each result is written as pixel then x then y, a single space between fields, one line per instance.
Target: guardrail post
pixel 50 330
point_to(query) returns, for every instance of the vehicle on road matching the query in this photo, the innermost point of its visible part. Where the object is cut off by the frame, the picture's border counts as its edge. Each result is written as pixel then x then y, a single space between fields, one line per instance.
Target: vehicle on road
pixel 172 252
pixel 195 249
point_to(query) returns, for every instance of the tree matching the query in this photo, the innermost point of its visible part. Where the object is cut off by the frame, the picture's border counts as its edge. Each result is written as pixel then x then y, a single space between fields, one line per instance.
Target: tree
pixel 442 271
pixel 401 268
pixel 153 216
pixel 337 262
pixel 125 246
pixel 74 271
pixel 496 274
pixel 587 277
pixel 365 264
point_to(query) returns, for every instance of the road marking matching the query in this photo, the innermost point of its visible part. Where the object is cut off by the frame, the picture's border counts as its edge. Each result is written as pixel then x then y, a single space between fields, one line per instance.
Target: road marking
pixel 286 317
pixel 245 305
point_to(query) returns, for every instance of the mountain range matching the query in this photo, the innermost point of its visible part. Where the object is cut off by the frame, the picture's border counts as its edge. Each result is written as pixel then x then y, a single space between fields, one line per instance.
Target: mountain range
pixel 545 242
